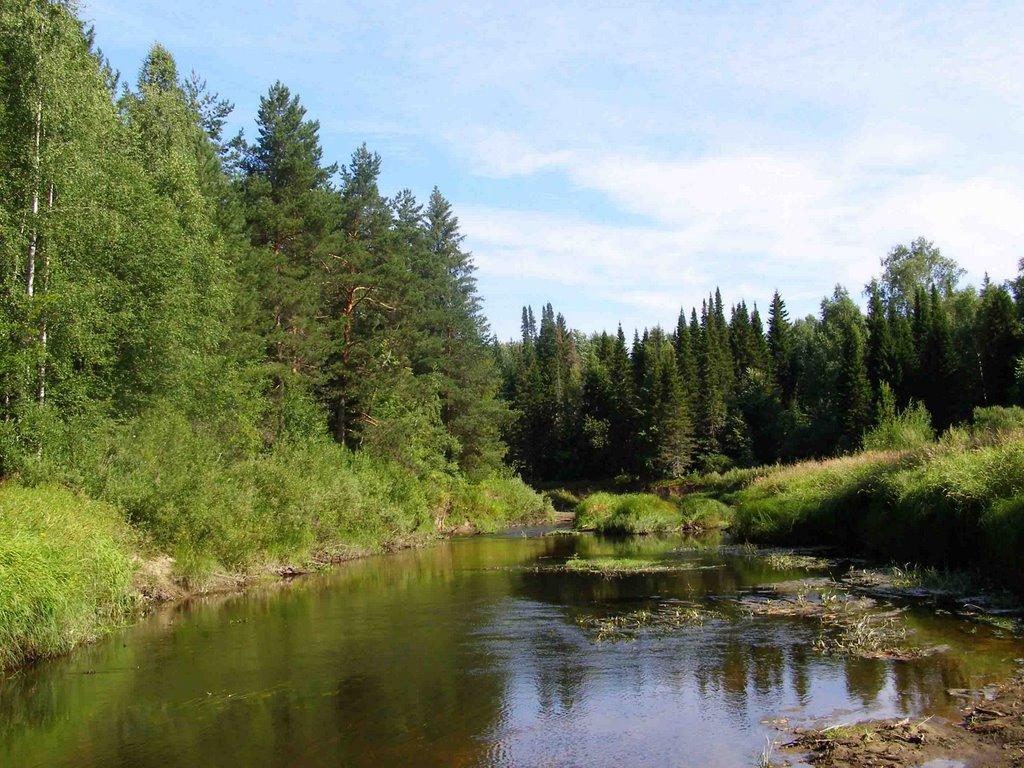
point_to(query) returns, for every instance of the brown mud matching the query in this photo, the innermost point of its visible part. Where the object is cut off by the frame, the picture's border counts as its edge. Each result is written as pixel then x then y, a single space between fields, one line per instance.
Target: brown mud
pixel 989 734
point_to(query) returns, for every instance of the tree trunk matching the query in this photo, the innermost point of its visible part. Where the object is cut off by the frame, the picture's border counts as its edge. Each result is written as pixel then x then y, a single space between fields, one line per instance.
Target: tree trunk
pixel 33 239
pixel 41 383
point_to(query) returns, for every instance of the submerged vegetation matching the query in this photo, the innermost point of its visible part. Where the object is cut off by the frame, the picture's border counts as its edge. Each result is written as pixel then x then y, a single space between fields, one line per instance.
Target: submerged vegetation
pixel 667 617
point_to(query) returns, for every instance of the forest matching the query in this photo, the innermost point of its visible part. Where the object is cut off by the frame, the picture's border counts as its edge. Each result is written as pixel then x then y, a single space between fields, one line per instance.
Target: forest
pixel 730 388
pixel 232 351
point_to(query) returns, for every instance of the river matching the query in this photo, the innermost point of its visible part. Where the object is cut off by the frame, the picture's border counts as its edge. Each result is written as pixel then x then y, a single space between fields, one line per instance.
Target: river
pixel 470 653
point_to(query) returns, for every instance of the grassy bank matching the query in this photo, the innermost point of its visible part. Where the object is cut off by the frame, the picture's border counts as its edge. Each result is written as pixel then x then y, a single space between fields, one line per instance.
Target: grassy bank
pixel 957 503
pixel 633 513
pixel 65 571
pixel 70 553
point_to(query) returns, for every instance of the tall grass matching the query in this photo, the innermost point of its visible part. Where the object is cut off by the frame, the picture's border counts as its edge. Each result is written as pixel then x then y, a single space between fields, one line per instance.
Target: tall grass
pixel 217 506
pixel 65 571
pixel 627 513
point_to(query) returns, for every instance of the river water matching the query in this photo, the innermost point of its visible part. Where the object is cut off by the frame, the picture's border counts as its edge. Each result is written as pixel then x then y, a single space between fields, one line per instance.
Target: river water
pixel 470 653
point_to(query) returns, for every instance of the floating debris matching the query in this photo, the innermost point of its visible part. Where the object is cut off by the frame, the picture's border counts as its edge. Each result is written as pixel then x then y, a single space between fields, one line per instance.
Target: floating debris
pixel 616 566
pixel 665 618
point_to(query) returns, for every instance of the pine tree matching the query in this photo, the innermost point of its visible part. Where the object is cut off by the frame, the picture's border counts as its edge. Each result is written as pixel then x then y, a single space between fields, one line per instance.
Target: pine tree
pixel 881 359
pixel 853 387
pixel 291 214
pixel 936 366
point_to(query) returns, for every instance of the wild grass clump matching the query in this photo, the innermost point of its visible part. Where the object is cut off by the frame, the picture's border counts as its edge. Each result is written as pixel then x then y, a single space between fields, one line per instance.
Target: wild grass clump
pixel 700 513
pixel 562 499
pixel 997 421
pixel 497 501
pixel 664 619
pixel 594 510
pixel 614 565
pixel 904 430
pixel 65 571
pixel 629 513
pixel 713 484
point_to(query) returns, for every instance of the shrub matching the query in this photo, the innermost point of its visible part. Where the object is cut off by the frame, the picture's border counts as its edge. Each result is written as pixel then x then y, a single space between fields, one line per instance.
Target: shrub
pixel 497 501
pixel 904 430
pixel 702 512
pixel 562 499
pixel 996 421
pixel 594 510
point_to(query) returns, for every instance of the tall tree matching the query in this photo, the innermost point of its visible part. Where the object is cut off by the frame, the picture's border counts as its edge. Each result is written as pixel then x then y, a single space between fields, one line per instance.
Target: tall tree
pixel 291 214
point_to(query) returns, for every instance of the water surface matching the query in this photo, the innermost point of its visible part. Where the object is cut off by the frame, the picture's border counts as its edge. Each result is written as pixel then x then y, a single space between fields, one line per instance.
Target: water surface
pixel 467 654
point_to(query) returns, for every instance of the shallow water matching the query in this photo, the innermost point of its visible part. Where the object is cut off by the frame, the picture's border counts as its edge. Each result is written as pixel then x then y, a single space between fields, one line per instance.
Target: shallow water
pixel 465 654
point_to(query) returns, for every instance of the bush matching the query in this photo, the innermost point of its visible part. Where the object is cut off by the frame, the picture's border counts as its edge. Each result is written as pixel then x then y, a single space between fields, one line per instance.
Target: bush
pixel 561 499
pixel 311 499
pixel 594 510
pixel 996 421
pixel 905 430
pixel 65 571
pixel 497 501
pixel 951 506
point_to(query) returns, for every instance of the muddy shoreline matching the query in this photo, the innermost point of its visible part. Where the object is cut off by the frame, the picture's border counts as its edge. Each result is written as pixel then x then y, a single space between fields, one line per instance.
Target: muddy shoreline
pixel 989 734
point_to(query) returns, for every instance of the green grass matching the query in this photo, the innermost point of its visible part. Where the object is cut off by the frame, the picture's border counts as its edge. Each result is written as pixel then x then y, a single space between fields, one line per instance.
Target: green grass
pixel 701 513
pixel 628 513
pixel 159 486
pixel 955 504
pixel 65 572
pixel 609 565
pixel 562 499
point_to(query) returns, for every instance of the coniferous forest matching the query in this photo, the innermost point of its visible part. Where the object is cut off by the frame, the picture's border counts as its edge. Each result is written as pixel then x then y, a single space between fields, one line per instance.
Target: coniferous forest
pixel 732 387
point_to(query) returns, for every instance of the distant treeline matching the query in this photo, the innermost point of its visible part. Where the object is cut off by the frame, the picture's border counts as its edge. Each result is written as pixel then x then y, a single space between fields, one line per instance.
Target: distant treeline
pixel 727 387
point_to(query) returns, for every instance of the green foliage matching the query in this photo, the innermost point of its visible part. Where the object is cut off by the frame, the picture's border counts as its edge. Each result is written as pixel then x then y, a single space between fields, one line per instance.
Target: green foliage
pixel 244 349
pixel 65 571
pixel 497 501
pixel 743 395
pixel 904 430
pixel 997 420
pixel 703 513
pixel 954 505
pixel 627 513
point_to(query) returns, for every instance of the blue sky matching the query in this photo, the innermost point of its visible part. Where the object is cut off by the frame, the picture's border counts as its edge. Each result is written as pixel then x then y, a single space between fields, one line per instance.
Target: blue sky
pixel 623 159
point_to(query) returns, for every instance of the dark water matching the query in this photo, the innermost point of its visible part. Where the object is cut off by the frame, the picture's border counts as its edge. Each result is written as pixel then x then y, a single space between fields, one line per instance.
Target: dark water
pixel 457 655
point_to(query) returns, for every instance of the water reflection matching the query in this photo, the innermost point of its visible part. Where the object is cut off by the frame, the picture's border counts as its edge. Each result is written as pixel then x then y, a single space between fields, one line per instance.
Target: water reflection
pixel 459 655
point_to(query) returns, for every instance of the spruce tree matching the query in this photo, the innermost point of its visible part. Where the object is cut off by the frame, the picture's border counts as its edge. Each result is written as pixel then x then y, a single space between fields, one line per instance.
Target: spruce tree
pixel 780 346
pixel 1000 341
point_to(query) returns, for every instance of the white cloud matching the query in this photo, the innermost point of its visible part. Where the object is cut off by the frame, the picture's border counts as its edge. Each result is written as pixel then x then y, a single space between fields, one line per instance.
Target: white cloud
pixel 798 221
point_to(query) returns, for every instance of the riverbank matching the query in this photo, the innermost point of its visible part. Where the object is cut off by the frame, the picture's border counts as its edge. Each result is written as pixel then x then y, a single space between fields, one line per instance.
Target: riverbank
pixel 73 568
pixel 990 734
pixel 957 503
